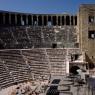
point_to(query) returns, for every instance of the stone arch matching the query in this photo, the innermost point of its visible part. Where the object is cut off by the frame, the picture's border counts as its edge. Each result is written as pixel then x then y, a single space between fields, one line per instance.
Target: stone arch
pixel 30 20
pixel 39 20
pixel 73 69
pixel 35 23
pixel 18 19
pixel 7 18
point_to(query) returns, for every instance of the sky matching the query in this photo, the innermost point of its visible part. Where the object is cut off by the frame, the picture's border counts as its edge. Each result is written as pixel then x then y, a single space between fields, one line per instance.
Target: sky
pixel 43 6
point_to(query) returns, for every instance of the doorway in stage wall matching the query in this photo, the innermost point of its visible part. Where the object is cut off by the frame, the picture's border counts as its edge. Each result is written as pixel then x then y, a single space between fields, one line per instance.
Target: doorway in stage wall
pixel 54 45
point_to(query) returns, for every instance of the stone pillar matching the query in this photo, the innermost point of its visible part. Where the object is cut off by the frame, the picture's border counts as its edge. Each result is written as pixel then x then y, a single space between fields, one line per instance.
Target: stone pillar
pixel 73 20
pixel 32 19
pixel 64 19
pixel 42 20
pixel 10 19
pixel 60 20
pixel 56 20
pixel 26 19
pixel 37 20
pixel 22 22
pixel 70 19
pixel 15 19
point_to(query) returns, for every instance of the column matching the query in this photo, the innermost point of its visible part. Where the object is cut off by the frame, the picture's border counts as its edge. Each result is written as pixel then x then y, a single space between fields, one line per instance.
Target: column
pixel 70 20
pixel 32 19
pixel 64 19
pixel 21 19
pixel 37 20
pixel 10 19
pixel 15 19
pixel 73 20
pixel 56 20
pixel 42 20
pixel 26 19
pixel 60 20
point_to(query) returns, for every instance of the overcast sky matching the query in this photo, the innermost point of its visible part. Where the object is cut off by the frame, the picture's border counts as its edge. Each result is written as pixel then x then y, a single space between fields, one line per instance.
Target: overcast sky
pixel 43 6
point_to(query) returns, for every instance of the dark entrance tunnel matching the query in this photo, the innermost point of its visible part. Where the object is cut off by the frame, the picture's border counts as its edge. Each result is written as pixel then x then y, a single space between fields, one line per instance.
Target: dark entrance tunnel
pixel 54 45
pixel 73 70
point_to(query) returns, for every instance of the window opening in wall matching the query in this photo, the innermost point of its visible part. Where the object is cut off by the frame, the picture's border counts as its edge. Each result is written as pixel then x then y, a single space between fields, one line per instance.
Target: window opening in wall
pixel 18 19
pixel 91 19
pixel 67 20
pixel 34 20
pixel 76 45
pixel 49 18
pixel 59 20
pixel 91 34
pixel 62 20
pixel 45 20
pixel 54 45
pixel 1 18
pixel 6 18
pixel 39 20
pixel 54 20
pixel 12 19
pixel 75 20
pixel 29 20
pixel 74 57
pixel 74 69
pixel 72 23
pixel 49 23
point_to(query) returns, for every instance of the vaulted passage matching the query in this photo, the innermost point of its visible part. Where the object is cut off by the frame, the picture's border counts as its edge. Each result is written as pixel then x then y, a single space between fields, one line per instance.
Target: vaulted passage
pixel 7 19
pixel 39 20
pixel 62 20
pixel 1 18
pixel 54 20
pixel 74 69
pixel 67 20
pixel 45 20
pixel 23 20
pixel 18 19
pixel 35 20
pixel 12 19
pixel 29 20
pixel 72 20
pixel 75 20
pixel 49 18
pixel 59 20
pixel 49 23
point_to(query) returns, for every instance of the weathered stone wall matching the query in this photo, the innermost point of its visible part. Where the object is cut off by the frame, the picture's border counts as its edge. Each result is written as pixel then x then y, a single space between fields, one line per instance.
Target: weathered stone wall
pixel 87 44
